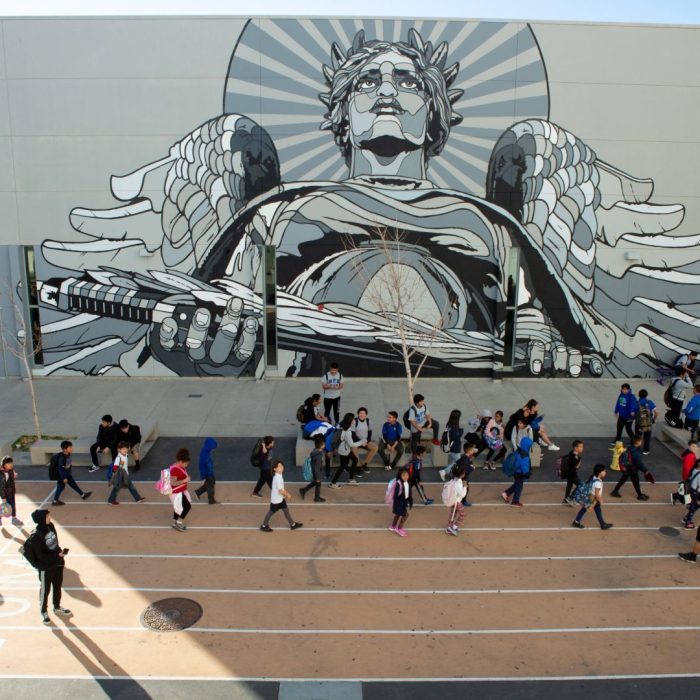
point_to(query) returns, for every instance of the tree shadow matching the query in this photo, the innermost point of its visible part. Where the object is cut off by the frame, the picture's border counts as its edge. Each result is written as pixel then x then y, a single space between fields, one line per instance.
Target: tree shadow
pixel 121 687
pixel 71 579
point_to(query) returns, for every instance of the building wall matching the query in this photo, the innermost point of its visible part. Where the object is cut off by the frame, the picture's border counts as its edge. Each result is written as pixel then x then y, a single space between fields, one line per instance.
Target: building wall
pixel 608 247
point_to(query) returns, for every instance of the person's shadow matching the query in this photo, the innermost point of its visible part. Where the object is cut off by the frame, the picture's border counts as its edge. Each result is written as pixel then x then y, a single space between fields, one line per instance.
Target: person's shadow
pixel 120 687
pixel 71 580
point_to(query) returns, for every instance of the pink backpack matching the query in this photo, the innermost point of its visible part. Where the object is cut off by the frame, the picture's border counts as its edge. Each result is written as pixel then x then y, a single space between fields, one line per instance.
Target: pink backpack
pixel 163 484
pixel 389 494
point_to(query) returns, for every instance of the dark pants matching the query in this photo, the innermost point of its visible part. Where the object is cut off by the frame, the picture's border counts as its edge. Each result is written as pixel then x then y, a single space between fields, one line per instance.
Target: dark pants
pixel 10 498
pixel 274 507
pixel 186 507
pixel 334 405
pixel 516 489
pixel 51 578
pixel 98 446
pixel 313 485
pixel 692 507
pixel 633 476
pixel 646 440
pixel 386 455
pixel 265 478
pixel 208 486
pixel 501 454
pixel 124 480
pixel 673 415
pixel 692 425
pixel 625 423
pixel 60 486
pixel 416 437
pixel 346 462
pixel 571 483
pixel 598 514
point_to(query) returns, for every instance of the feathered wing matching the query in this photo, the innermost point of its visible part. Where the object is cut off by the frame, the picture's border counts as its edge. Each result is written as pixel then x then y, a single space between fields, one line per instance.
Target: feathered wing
pixel 603 240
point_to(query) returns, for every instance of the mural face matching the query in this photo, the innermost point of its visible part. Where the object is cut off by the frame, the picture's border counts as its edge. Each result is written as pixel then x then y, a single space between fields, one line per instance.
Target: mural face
pixel 421 164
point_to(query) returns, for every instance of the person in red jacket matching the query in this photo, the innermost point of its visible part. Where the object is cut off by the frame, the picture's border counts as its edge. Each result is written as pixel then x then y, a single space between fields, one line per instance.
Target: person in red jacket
pixel 690 459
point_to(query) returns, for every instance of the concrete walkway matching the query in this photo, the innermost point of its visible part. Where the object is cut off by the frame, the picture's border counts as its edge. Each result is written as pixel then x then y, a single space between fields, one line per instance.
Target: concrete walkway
pixel 241 408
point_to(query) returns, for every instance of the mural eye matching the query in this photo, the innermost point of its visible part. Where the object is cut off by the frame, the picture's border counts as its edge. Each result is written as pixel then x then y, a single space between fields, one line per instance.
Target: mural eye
pixel 410 83
pixel 366 83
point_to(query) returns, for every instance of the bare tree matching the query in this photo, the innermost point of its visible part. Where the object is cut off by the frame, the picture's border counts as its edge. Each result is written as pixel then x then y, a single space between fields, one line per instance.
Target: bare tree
pixel 24 346
pixel 395 289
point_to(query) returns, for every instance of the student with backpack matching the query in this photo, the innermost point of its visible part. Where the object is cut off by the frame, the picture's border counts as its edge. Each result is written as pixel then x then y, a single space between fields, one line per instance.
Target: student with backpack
pixel 106 441
pixel 647 414
pixel 179 495
pixel 390 446
pixel 400 502
pixel 693 489
pixel 8 488
pixel 631 463
pixel 692 556
pixel 570 465
pixel 348 459
pixel 310 410
pixel 686 362
pixel 453 493
pixel 689 460
pixel 625 410
pixel 415 467
pixel 62 467
pixel 590 497
pixel 362 430
pixel 419 419
pixel 43 552
pixel 517 465
pixel 278 499
pixel 119 476
pixel 316 466
pixel 692 412
pixel 451 440
pixel 206 471
pixel 674 397
pixel 332 383
pixel 262 458
pixel 466 464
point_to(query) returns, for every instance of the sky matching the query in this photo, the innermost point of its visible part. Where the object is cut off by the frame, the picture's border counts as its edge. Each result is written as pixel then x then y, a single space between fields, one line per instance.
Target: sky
pixel 630 11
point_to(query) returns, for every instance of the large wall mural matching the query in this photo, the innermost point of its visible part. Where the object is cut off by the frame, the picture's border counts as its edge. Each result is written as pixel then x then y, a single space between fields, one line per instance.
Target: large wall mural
pixel 333 133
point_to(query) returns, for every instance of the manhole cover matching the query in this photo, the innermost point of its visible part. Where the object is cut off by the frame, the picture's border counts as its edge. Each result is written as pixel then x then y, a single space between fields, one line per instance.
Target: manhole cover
pixel 669 531
pixel 171 614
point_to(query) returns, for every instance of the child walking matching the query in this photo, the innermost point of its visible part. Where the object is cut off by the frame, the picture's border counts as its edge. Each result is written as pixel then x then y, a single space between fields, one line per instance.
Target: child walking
pixel 64 464
pixel 206 471
pixel 8 490
pixel 316 465
pixel 457 489
pixel 180 496
pixel 278 499
pixel 402 491
pixel 119 476
pixel 521 472
pixel 415 467
pixel 596 501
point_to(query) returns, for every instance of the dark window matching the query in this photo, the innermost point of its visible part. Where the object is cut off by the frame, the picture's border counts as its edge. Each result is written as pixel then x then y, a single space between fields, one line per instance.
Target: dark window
pixel 32 301
pixel 270 306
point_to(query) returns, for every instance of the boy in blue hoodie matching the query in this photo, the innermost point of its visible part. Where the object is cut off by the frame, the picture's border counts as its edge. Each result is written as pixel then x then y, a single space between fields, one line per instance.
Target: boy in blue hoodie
pixel 692 412
pixel 625 409
pixel 206 470
pixel 522 472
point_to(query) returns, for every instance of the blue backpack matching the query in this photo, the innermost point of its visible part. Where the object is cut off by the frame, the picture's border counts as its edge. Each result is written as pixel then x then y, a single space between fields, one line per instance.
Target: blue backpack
pixel 583 495
pixel 510 464
pixel 307 472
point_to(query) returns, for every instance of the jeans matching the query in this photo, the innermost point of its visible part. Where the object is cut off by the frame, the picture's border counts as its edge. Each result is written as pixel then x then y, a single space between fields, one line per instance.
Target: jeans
pixel 416 436
pixel 51 578
pixel 598 514
pixel 646 440
pixel 60 486
pixel 208 486
pixel 129 484
pixel 97 446
pixel 390 459
pixel 625 423
pixel 265 478
pixel 516 489
pixel 332 405
pixel 633 476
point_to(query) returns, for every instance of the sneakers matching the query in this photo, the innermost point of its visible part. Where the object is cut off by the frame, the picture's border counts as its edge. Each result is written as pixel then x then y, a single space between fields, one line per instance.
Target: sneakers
pixel 296 526
pixel 615 494
pixel 606 526
pixel 392 528
pixel 302 493
pixel 688 526
pixel 47 620
pixel 400 531
pixel 516 504
pixel 352 482
pixel 265 528
pixel 467 504
pixel 17 522
pixel 578 525
pixel 179 526
pixel 570 502
pixel 366 470
pixel 553 448
pixel 646 453
pixel 113 503
pixel 442 473
pixel 334 486
pixel 212 503
pixel 199 495
pixel 452 530
pixel 319 500
pixel 86 495
pixel 93 468
pixel 435 442
pixel 57 503
pixel 690 557
pixel 255 494
pixel 643 497
pixel 62 611
pixel 505 497
pixel 429 501
pixel 140 500
pixel 387 468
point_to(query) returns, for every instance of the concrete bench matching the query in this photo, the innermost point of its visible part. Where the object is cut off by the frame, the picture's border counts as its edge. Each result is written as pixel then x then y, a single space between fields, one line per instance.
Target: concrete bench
pixel 675 436
pixel 42 450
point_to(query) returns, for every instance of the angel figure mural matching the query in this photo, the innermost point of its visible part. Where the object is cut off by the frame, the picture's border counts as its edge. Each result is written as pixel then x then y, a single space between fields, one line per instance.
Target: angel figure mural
pixel 178 279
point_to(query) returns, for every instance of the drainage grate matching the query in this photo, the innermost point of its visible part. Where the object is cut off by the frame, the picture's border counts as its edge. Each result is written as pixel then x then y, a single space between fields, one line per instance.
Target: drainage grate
pixel 171 614
pixel 194 396
pixel 669 531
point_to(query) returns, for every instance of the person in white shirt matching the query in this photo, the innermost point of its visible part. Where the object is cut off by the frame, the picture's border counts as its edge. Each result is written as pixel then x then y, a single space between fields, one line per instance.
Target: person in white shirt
pixel 332 384
pixel 278 496
pixel 119 476
pixel 596 499
pixel 456 509
pixel 420 420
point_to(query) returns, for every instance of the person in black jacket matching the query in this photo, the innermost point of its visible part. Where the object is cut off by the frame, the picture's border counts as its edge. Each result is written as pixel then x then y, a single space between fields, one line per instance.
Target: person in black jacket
pixel 128 432
pixel 50 560
pixel 106 440
pixel 312 409
pixel 569 470
pixel 64 478
pixel 632 471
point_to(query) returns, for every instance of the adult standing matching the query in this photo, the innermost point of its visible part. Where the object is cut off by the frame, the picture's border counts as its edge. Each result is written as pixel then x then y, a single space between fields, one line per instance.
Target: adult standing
pixel 180 496
pixel 332 383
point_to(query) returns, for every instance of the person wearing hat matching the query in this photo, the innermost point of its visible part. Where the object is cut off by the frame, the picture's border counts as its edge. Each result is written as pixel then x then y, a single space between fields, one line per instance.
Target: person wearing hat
pixel 50 560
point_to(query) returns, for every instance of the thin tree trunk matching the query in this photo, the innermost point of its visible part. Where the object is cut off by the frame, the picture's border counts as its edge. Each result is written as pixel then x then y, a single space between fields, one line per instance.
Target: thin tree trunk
pixel 32 391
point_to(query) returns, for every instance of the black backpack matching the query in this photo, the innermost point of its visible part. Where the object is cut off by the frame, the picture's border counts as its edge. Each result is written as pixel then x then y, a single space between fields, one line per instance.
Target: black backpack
pixel 668 395
pixel 300 413
pixel 335 439
pixel 256 457
pixel 54 474
pixel 406 419
pixel 28 550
